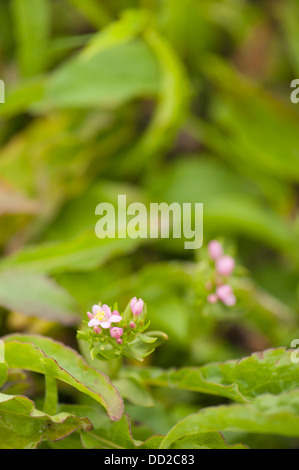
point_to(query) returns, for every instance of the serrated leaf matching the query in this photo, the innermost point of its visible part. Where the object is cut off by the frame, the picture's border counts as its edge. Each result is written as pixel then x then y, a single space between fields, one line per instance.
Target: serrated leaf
pixel 28 351
pixel 271 371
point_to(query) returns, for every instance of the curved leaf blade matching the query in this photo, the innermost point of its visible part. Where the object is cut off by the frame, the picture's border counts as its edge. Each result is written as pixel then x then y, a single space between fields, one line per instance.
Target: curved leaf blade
pixel 270 371
pixel 29 352
pixel 267 415
pixel 22 426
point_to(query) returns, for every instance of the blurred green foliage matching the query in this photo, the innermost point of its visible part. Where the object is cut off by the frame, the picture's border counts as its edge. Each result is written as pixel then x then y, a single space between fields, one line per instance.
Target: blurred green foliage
pixel 161 100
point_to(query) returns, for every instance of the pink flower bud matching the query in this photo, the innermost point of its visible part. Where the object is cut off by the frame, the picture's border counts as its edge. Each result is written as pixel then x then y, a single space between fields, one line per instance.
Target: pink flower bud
pixel 132 325
pixel 224 291
pixel 226 295
pixel 230 300
pixel 97 330
pixel 116 332
pixel 215 249
pixel 119 341
pixel 136 306
pixel 212 298
pixel 90 315
pixel 225 265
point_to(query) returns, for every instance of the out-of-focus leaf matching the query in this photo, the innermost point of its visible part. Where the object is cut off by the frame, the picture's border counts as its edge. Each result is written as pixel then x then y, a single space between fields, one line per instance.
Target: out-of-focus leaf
pixel 133 390
pixel 93 10
pixel 130 26
pixel 37 296
pixel 32 26
pixel 20 98
pixel 267 415
pixel 22 426
pixel 170 112
pixel 270 371
pixel 108 79
pixel 82 253
pixel 238 111
pixel 287 12
pixel 12 202
pixel 3 369
pixel 227 202
pixel 29 352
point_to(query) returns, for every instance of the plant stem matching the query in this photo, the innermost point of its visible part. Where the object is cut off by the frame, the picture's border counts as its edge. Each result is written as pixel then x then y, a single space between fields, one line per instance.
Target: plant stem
pixel 51 393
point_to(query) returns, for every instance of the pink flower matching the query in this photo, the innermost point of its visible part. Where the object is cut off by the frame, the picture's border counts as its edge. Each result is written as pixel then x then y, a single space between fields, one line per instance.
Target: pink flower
pixel 136 306
pixel 230 300
pixel 116 332
pixel 225 265
pixel 102 316
pixel 226 295
pixel 212 298
pixel 215 249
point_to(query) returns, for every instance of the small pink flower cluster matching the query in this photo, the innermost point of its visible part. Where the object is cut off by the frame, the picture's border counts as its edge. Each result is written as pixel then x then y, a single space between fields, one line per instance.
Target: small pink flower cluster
pixel 102 316
pixel 224 266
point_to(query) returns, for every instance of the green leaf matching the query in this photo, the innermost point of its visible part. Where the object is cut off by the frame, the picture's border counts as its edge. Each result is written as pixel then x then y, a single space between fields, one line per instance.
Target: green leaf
pixel 210 440
pixel 93 10
pixel 138 349
pixel 170 111
pixel 106 79
pixel 3 370
pixel 107 434
pixel 37 296
pixel 256 128
pixel 84 252
pixel 22 426
pixel 229 202
pixel 32 27
pixel 134 391
pixel 271 371
pixel 267 415
pixel 30 351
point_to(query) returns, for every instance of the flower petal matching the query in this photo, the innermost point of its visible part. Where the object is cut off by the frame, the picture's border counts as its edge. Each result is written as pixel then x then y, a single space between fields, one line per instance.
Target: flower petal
pixel 90 315
pixel 115 318
pixel 93 322
pixel 105 324
pixel 96 309
pixel 106 310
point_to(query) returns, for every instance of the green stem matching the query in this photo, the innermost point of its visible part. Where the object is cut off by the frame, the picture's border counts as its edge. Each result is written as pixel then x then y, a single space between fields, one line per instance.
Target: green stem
pixel 51 393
